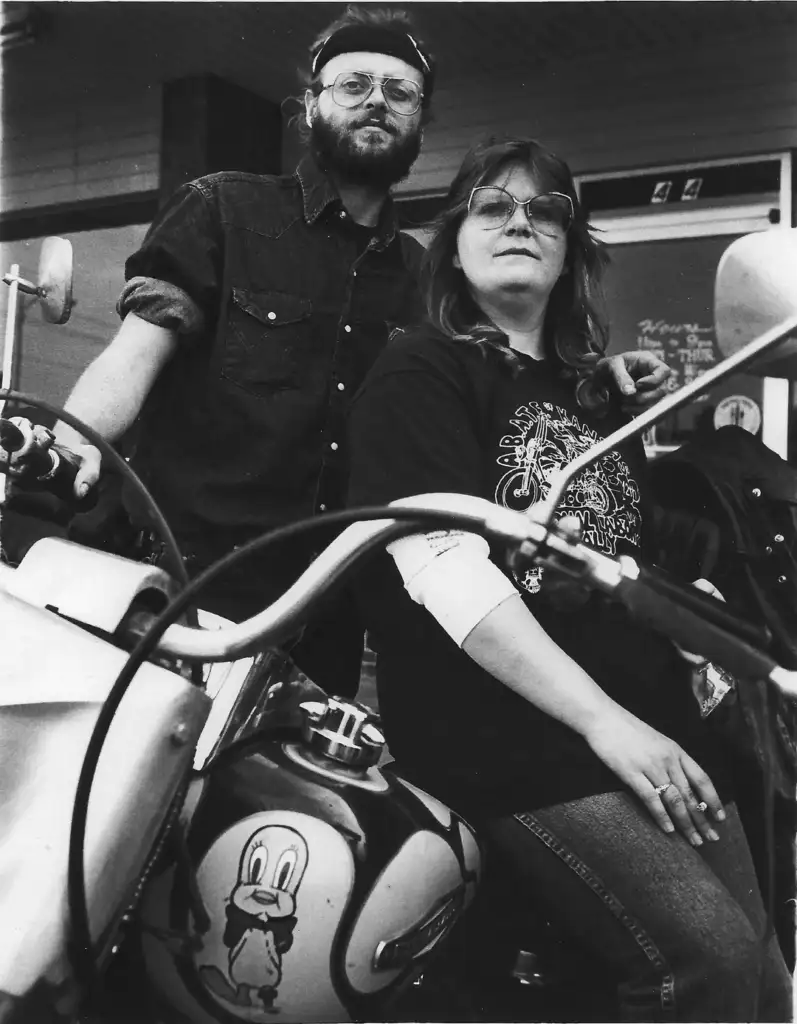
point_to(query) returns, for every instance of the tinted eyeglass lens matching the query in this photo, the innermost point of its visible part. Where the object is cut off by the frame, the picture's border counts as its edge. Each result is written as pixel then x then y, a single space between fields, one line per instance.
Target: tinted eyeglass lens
pixel 550 214
pixel 491 207
pixel 401 95
pixel 350 88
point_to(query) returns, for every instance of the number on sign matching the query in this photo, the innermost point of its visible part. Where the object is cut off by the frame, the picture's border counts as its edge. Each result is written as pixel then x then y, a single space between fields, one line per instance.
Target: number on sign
pixel 692 188
pixel 661 192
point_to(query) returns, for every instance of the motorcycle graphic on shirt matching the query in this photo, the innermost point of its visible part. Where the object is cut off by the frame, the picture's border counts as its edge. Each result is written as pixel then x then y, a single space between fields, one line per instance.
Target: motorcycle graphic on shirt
pixel 605 497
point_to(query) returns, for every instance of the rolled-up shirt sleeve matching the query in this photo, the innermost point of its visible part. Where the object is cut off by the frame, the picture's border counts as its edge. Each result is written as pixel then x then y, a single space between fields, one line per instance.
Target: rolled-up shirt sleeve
pixel 173 280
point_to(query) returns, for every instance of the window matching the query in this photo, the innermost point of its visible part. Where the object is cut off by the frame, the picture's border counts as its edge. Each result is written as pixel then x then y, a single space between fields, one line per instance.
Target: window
pixel 666 230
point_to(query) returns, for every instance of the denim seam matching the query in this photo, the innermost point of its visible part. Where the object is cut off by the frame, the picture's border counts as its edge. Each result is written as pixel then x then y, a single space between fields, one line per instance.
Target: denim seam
pixel 640 936
pixel 272 235
pixel 311 216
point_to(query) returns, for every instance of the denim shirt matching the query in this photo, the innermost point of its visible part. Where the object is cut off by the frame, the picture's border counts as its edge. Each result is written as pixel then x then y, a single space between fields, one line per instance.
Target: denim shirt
pixel 280 309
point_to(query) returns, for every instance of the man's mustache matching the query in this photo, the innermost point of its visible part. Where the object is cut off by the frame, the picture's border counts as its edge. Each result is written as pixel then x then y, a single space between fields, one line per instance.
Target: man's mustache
pixel 375 120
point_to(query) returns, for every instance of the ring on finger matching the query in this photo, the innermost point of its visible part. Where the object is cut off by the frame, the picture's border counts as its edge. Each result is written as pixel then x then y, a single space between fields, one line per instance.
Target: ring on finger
pixel 702 806
pixel 659 790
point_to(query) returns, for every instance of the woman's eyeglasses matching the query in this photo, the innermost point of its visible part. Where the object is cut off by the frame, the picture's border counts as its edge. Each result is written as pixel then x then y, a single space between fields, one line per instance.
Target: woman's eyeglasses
pixel 351 88
pixel 492 207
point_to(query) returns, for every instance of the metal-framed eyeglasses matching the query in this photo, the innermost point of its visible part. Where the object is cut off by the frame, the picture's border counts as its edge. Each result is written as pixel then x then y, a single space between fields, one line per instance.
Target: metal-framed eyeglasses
pixel 351 88
pixel 491 206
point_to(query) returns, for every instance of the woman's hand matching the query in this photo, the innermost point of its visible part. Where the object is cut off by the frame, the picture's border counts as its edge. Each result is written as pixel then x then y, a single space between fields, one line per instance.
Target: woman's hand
pixel 670 783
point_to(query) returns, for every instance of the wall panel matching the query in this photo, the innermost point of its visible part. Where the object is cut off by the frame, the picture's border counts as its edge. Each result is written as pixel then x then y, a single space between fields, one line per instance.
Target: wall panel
pixel 694 103
pixel 90 147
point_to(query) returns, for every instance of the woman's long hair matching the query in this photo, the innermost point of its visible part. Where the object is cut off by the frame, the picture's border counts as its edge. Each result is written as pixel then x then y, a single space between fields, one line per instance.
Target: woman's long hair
pixel 575 333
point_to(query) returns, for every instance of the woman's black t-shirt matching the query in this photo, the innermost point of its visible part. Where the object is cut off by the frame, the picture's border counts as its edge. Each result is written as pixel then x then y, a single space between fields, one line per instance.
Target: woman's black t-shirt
pixel 440 415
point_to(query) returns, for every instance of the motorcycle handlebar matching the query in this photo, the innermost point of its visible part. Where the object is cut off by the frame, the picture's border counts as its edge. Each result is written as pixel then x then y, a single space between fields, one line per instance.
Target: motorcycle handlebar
pixel 285 616
pixel 695 622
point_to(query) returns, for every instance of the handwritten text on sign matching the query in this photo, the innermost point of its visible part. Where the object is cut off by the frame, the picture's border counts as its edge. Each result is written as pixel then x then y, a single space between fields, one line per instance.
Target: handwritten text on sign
pixel 689 349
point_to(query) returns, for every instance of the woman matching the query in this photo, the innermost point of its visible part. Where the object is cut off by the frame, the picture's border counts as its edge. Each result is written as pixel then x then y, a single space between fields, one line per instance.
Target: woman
pixel 570 734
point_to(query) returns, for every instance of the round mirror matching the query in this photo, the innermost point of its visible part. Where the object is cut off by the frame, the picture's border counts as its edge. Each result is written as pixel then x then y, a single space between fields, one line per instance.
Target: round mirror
pixel 55 280
pixel 754 293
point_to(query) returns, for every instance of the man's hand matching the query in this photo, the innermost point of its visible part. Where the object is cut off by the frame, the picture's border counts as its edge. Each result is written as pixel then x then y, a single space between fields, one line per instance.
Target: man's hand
pixel 89 472
pixel 639 376
pixel 39 439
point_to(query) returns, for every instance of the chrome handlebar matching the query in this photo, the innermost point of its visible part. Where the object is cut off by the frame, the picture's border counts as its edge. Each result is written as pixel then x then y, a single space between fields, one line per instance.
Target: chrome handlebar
pixel 289 612
pixel 693 621
pixel 60 576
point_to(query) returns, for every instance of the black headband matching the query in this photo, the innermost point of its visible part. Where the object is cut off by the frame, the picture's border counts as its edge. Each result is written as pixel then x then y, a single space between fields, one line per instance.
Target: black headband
pixel 371 39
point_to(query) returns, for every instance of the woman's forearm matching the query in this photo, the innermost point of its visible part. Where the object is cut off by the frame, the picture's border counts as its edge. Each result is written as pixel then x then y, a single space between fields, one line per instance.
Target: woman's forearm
pixel 511 645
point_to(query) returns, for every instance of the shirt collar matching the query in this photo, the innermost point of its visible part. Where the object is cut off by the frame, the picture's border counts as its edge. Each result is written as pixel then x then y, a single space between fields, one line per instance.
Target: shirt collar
pixel 319 193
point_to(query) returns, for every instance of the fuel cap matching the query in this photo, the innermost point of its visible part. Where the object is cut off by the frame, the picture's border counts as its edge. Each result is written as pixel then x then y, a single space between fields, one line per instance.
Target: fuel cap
pixel 343 731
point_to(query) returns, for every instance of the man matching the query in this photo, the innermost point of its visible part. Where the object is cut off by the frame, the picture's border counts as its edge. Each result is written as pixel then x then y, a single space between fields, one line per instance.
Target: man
pixel 251 313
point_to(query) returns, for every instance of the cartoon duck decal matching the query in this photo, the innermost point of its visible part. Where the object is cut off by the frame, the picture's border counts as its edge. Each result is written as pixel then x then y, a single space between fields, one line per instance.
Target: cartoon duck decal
pixel 261 917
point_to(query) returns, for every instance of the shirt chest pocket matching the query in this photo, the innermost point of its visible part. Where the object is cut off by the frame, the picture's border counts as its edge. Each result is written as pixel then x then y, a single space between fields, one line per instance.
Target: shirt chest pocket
pixel 268 344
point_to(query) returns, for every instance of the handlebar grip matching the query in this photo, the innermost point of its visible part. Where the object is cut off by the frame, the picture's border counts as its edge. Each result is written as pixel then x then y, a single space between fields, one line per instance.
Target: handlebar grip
pixel 707 607
pixel 649 604
pixel 11 437
pixel 52 470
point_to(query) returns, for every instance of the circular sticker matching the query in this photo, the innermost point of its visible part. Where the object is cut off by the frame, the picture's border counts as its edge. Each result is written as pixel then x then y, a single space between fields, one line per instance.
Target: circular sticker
pixel 738 411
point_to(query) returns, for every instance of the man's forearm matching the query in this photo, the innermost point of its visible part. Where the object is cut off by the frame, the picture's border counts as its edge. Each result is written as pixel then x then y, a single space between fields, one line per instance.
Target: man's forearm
pixel 110 393
pixel 99 401
pixel 511 645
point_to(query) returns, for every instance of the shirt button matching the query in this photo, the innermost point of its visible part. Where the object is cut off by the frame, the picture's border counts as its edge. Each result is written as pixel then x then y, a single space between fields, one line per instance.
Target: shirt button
pixel 756 492
pixel 341 386
pixel 322 507
pixel 334 446
pixel 272 316
pixel 778 538
pixel 347 329
pixel 342 214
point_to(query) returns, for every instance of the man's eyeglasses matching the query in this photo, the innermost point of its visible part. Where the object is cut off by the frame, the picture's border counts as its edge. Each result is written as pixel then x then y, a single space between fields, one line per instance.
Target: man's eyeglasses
pixel 351 88
pixel 549 214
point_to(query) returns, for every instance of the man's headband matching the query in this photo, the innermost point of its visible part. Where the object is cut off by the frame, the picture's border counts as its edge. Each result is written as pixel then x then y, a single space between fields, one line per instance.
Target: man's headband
pixel 371 39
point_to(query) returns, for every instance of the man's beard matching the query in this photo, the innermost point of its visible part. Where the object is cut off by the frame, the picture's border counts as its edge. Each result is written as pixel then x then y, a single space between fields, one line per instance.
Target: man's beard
pixel 335 150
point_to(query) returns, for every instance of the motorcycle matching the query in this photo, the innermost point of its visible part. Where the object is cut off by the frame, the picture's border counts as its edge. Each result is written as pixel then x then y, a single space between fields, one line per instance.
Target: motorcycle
pixel 227 843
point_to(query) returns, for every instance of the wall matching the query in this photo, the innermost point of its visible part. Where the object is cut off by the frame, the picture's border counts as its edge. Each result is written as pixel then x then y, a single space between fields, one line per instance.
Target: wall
pixel 75 128
pixel 64 149
pixel 50 358
pixel 89 140
pixel 699 102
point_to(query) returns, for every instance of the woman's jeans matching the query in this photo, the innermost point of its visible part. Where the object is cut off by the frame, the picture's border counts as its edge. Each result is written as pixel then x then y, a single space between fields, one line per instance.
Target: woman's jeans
pixel 682 928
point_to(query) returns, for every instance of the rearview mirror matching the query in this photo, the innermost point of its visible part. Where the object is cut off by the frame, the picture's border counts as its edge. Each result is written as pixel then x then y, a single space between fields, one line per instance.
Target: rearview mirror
pixel 756 290
pixel 55 280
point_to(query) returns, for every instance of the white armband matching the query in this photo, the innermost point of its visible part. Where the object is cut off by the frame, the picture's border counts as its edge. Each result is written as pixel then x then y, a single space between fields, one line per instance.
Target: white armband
pixel 451 575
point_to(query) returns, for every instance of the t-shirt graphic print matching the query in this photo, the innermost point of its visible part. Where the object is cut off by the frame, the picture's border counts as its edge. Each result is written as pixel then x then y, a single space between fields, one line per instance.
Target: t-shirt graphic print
pixel 605 497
